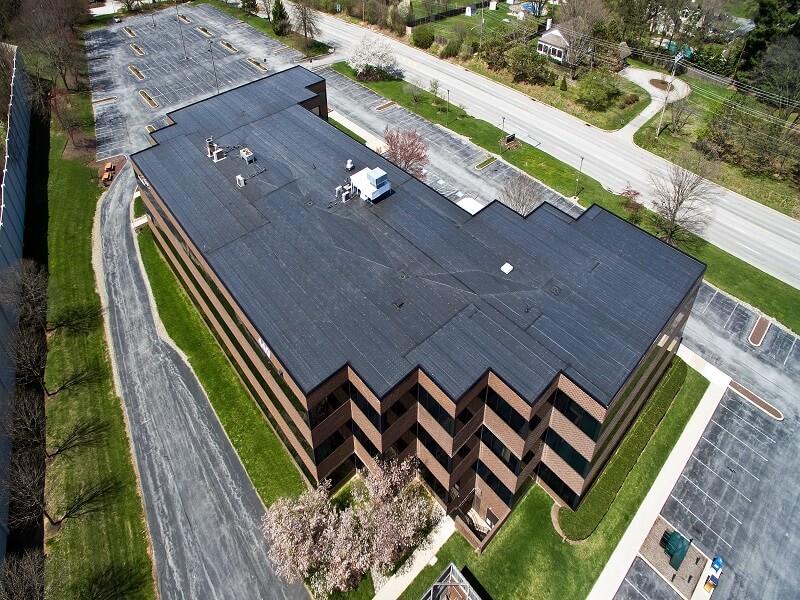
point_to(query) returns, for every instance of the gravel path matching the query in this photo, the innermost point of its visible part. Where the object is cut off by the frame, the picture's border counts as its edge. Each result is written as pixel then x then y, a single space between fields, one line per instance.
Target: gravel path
pixel 202 511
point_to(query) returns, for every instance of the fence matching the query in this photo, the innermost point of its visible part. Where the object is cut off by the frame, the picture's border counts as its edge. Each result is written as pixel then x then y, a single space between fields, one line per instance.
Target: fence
pixel 444 14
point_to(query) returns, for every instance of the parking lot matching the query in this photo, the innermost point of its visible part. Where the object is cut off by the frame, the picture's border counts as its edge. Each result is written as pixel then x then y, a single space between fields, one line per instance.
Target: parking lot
pixel 452 158
pixel 642 582
pixel 122 114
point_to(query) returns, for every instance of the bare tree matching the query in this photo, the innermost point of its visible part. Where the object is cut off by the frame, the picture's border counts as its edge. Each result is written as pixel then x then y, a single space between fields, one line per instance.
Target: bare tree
pixel 521 194
pixel 680 113
pixel 25 422
pixel 30 352
pixel 25 479
pixel 576 22
pixel 407 150
pixel 23 575
pixel 306 18
pixel 681 201
pixel 23 292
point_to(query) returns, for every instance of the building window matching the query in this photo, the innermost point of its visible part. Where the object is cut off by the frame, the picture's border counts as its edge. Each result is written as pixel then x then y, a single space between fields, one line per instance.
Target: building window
pixel 324 409
pixel 561 489
pixel 438 453
pixel 437 411
pixel 500 450
pixel 506 412
pixel 570 456
pixel 493 482
pixel 364 406
pixel 336 439
pixel 399 408
pixel 362 438
pixel 541 48
pixel 576 414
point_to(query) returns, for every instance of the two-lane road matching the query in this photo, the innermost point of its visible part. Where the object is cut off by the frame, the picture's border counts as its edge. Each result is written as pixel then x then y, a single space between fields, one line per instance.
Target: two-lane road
pixel 757 234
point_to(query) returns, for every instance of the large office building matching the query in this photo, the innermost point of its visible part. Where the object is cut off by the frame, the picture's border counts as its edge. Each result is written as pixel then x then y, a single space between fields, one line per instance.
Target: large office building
pixel 370 316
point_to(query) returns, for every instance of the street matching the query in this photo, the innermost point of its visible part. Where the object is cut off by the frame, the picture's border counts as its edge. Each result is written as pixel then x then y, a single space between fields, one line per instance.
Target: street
pixel 758 235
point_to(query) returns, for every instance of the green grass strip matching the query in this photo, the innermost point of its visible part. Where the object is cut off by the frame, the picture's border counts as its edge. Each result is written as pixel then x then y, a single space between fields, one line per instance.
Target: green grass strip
pixel 344 129
pixel 580 524
pixel 767 293
pixel 115 535
pixel 520 563
pixel 293 40
pixel 266 461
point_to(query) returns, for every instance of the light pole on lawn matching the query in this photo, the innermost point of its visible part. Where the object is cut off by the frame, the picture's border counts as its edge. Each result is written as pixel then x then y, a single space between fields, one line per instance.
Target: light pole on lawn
pixel 448 109
pixel 578 178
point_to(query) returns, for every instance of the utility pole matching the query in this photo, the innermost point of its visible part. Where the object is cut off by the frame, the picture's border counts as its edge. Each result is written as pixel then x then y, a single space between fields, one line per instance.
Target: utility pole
pixel 678 57
pixel 180 28
pixel 503 126
pixel 213 66
pixel 578 178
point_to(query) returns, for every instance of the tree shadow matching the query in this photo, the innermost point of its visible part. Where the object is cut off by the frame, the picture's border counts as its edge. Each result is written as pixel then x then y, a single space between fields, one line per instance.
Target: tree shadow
pixel 114 580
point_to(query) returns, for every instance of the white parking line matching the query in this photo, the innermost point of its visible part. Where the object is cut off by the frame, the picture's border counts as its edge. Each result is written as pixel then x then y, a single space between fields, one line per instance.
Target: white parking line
pixel 729 456
pixel 758 429
pixel 719 537
pixel 753 450
pixel 636 589
pixel 789 353
pixel 702 491
pixel 725 481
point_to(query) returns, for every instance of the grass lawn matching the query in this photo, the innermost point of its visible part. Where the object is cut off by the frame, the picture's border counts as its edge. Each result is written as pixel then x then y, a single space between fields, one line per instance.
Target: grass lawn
pixel 268 465
pixel 727 272
pixel 493 19
pixel 776 193
pixel 520 561
pixel 611 119
pixel 293 40
pixel 115 537
pixel 344 129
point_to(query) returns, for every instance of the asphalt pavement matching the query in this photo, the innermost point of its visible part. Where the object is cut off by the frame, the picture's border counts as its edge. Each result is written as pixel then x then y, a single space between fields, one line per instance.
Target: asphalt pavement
pixel 759 235
pixel 203 514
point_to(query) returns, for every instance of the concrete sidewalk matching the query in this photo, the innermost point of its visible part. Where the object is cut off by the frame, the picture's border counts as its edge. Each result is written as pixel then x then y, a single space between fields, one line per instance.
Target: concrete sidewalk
pixel 617 567
pixel 397 584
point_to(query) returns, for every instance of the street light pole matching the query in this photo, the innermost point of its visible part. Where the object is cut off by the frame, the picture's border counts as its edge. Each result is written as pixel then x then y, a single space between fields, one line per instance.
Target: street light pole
pixel 180 28
pixel 213 66
pixel 578 178
pixel 152 16
pixel 448 108
pixel 678 57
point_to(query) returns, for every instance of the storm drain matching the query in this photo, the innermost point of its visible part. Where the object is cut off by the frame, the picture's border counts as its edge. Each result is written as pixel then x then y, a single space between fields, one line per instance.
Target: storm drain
pixel 136 72
pixel 205 31
pixel 148 98
pixel 138 50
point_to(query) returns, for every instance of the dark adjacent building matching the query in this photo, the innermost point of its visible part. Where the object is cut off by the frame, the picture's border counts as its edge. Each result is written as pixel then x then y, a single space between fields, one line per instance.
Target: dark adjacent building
pixel 370 316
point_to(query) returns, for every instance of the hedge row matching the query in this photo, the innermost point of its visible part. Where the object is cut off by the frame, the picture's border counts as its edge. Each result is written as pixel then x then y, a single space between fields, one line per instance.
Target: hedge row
pixel 580 524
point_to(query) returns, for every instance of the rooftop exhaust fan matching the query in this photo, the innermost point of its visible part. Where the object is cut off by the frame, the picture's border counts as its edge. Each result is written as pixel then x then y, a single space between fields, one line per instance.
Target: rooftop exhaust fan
pixel 349 164
pixel 240 181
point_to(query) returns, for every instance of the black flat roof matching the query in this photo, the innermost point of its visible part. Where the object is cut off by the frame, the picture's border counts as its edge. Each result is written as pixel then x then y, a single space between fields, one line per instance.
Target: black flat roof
pixel 412 280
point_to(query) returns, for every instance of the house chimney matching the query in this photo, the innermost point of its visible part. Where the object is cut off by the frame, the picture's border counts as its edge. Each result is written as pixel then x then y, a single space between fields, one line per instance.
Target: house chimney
pixel 549 24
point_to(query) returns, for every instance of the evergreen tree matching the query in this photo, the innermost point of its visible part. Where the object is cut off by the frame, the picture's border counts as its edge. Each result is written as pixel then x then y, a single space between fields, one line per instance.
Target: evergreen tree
pixel 280 19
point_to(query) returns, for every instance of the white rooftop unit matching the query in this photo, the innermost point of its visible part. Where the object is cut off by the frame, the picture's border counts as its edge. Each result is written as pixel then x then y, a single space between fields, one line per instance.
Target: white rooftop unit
pixel 370 184
pixel 507 268
pixel 247 155
pixel 240 181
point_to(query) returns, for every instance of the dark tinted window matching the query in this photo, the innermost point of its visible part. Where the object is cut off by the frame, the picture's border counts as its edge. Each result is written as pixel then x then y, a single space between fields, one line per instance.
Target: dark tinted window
pixel 493 482
pixel 500 450
pixel 571 456
pixel 575 413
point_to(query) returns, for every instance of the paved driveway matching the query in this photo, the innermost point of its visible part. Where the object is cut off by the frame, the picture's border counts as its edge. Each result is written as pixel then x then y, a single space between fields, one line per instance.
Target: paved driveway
pixel 202 512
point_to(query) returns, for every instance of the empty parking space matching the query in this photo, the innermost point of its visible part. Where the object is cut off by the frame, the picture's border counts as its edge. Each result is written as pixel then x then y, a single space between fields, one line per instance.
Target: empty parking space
pixel 643 583
pixel 178 65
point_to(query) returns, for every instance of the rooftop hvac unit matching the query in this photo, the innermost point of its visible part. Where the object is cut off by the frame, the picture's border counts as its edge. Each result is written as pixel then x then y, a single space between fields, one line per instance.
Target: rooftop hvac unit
pixel 210 146
pixel 219 154
pixel 349 164
pixel 240 181
pixel 247 155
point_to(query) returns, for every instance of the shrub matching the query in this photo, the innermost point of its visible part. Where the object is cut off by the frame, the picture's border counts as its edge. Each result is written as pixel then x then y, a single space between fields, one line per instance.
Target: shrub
pixel 597 89
pixel 628 100
pixel 551 78
pixel 580 524
pixel 422 37
pixel 450 50
pixel 564 83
